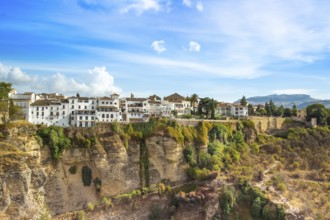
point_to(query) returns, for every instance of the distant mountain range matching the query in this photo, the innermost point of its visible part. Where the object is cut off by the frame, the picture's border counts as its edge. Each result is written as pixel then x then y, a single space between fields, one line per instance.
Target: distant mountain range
pixel 300 100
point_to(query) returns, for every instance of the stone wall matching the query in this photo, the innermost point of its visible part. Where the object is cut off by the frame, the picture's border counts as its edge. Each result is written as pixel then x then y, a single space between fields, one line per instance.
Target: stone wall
pixel 266 124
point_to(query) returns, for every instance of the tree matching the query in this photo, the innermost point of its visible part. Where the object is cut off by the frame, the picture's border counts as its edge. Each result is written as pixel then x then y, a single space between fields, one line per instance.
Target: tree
pixel 243 101
pixel 287 112
pixel 319 112
pixel 279 111
pixel 205 106
pixel 78 95
pixel 250 109
pixel 8 110
pixel 272 107
pixel 194 100
pixel 294 110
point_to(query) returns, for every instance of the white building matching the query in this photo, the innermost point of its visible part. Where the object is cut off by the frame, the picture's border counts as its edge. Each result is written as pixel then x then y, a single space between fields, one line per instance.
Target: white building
pixel 50 112
pixel 135 109
pixel 82 111
pixel 24 101
pixel 231 110
pixel 107 109
pixel 178 103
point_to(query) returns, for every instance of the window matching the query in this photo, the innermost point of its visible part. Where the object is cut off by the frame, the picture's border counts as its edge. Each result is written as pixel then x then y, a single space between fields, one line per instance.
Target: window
pixel 111 116
pixel 72 101
pixel 72 112
pixel 92 107
pixel 92 102
pixel 79 107
pixel 42 108
pixel 63 112
pixel 63 106
pixel 42 114
pixel 103 116
pixel 107 115
pixel 92 117
pixel 86 118
pixel 80 117
pixel 85 107
pixel 37 108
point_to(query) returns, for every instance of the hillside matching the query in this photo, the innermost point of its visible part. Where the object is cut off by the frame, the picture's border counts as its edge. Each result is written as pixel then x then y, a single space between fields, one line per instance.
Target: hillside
pixel 300 100
pixel 163 170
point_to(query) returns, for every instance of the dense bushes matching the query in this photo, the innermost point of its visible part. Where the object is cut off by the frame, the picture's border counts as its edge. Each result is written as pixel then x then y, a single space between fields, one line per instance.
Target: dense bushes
pixel 54 137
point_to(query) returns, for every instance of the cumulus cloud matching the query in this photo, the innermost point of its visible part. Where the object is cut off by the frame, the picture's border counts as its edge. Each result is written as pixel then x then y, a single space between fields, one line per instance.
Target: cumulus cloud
pixel 98 82
pixel 15 75
pixel 194 46
pixel 94 82
pixel 158 46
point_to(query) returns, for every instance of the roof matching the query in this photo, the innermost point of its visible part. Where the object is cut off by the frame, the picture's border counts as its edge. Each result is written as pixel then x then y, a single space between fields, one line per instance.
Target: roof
pixel 136 99
pixel 175 97
pixel 154 98
pixel 104 98
pixel 42 102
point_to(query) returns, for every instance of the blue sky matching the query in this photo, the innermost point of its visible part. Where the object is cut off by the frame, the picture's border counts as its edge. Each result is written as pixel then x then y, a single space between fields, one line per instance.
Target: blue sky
pixel 217 48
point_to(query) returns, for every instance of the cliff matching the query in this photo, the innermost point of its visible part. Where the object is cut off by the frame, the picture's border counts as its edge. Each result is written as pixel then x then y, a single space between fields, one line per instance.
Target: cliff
pixel 160 169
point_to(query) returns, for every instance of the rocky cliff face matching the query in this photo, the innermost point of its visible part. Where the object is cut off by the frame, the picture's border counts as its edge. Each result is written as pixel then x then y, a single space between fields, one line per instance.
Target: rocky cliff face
pixel 29 172
pixel 22 177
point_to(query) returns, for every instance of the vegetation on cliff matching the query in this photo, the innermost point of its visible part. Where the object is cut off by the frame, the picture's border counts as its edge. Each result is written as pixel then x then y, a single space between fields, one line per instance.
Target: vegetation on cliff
pixel 291 168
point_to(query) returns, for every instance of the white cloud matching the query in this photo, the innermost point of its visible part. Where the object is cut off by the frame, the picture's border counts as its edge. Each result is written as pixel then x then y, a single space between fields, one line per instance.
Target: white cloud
pixel 15 75
pixel 187 3
pixel 158 46
pixel 94 82
pixel 199 6
pixel 292 91
pixel 97 82
pixel 140 6
pixel 194 46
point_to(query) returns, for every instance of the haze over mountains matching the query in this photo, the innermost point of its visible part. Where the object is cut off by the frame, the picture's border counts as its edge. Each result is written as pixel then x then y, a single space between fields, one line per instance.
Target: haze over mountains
pixel 300 100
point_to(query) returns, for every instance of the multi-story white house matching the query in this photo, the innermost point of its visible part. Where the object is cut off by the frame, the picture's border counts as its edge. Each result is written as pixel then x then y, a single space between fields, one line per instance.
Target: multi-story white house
pixel 135 109
pixel 107 109
pixel 50 112
pixel 231 110
pixel 24 101
pixel 178 103
pixel 82 111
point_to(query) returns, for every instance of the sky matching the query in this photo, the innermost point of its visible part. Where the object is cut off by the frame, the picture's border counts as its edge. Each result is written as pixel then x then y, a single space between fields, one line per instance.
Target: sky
pixel 222 49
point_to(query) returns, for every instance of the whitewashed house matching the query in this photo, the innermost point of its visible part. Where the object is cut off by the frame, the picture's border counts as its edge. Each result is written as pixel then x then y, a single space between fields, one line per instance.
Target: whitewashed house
pixel 135 109
pixel 24 101
pixel 82 111
pixel 107 109
pixel 50 112
pixel 231 110
pixel 178 103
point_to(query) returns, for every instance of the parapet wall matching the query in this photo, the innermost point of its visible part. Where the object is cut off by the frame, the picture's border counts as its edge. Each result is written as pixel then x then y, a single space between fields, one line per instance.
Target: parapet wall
pixel 264 124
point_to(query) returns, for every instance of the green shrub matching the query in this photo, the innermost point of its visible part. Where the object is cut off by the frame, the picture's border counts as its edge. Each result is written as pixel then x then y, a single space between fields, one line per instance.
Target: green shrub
pixel 227 199
pixel 86 175
pixel 81 215
pixel 90 206
pixel 108 202
pixel 54 137
pixel 256 207
pixel 155 212
pixel 188 155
